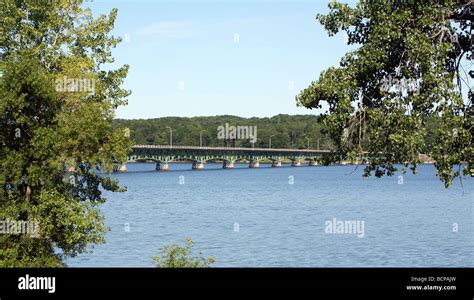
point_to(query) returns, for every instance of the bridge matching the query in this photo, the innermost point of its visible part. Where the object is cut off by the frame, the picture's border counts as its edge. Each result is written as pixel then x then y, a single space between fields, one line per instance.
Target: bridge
pixel 163 155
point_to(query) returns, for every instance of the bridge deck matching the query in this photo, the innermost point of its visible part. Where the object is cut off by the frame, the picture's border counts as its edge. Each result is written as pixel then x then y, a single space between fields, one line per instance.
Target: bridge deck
pixel 230 149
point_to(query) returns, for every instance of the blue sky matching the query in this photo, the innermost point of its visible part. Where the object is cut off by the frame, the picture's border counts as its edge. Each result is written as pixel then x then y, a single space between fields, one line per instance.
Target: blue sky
pixel 203 58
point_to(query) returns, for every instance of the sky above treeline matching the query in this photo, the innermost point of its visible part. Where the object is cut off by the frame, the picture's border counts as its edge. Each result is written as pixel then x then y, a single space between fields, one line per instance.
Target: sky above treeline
pixel 204 58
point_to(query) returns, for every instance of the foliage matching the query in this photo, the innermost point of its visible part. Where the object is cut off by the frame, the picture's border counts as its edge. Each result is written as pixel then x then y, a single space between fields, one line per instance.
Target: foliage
pixel 176 256
pixel 407 70
pixel 288 131
pixel 45 130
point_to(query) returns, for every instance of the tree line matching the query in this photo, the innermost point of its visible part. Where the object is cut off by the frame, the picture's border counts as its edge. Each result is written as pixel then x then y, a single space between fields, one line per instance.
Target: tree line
pixel 286 131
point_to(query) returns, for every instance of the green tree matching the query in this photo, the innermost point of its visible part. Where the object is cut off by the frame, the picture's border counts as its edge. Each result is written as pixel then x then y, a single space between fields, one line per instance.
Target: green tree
pixel 50 122
pixel 407 68
pixel 176 256
pixel 288 131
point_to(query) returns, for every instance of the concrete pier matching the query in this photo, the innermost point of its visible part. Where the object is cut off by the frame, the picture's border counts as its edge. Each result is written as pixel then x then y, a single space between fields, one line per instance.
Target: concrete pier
pixel 276 164
pixel 296 164
pixel 254 164
pixel 160 167
pixel 198 165
pixel 228 165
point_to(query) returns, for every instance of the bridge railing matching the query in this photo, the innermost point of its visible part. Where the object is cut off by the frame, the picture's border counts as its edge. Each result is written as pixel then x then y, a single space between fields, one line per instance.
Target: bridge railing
pixel 229 149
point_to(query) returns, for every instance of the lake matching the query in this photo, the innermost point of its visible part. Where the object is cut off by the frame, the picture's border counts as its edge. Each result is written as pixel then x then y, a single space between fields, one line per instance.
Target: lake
pixel 287 217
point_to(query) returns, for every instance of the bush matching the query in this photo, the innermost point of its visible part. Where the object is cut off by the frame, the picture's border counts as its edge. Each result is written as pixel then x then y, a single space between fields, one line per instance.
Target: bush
pixel 176 256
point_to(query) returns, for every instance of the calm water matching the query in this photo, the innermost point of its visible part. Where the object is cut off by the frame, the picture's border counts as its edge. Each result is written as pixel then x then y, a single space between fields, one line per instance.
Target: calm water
pixel 282 224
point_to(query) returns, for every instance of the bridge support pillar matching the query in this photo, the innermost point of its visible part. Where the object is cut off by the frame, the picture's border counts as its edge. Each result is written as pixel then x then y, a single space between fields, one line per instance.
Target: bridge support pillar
pixel 228 164
pixel 198 165
pixel 123 168
pixel 296 163
pixel 254 164
pixel 276 164
pixel 160 167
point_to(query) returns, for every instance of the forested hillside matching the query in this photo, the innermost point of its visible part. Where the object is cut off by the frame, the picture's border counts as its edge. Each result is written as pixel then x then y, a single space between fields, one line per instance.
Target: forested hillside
pixel 286 131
